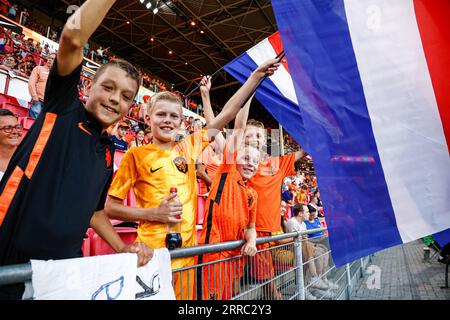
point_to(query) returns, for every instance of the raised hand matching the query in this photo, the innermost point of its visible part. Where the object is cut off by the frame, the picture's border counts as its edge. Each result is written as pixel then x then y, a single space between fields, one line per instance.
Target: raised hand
pixel 205 84
pixel 267 68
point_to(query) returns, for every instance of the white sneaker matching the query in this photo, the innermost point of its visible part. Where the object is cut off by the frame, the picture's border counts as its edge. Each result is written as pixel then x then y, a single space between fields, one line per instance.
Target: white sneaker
pixel 320 294
pixel 310 296
pixel 318 283
pixel 332 285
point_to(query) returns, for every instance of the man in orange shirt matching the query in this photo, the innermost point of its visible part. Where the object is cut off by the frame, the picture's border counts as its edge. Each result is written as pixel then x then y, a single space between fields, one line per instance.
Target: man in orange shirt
pixel 36 86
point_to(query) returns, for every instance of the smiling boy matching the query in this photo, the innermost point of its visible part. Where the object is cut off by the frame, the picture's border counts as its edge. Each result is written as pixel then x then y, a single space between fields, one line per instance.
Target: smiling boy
pixel 56 182
pixel 230 214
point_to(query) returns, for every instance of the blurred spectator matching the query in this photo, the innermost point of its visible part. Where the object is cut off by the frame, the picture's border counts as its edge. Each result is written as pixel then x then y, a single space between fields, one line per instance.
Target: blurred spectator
pixel 24 15
pixel 190 125
pixel 197 125
pixel 148 136
pixel 118 137
pixel 86 49
pixel 302 194
pixel 53 36
pixel 138 141
pixel 317 203
pixel 9 63
pixel 46 51
pixel 315 263
pixel 10 137
pixel 4 6
pixel 36 86
pixel 12 12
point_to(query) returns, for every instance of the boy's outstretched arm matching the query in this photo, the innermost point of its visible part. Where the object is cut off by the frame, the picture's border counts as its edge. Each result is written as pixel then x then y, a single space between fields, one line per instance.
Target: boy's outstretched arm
pixel 234 105
pixel 77 31
pixel 103 227
pixel 249 248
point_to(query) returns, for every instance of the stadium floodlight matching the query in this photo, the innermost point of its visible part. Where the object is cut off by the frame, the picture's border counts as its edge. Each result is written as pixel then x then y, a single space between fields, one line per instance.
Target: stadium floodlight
pixel 141 1
pixel 155 11
pixel 149 5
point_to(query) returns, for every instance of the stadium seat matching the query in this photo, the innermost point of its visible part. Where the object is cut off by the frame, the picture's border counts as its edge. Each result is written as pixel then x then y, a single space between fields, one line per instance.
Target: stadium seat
pixel 86 246
pixel 15 108
pixel 131 199
pixel 201 203
pixel 26 122
pixel 99 247
pixel 199 229
pixel 289 212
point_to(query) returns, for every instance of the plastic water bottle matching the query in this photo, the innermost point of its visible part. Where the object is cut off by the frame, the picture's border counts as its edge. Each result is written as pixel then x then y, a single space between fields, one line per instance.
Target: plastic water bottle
pixel 173 236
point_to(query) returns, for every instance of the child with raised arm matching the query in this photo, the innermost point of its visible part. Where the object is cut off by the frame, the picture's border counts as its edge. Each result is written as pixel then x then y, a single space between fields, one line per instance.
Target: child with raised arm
pixel 56 183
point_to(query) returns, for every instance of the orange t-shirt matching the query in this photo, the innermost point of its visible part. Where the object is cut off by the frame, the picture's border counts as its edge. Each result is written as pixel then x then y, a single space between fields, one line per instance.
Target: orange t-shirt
pixel 231 206
pixel 212 162
pixel 267 183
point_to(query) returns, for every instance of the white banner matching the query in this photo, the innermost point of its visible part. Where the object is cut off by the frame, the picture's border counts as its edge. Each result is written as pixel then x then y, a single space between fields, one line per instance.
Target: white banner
pixel 108 277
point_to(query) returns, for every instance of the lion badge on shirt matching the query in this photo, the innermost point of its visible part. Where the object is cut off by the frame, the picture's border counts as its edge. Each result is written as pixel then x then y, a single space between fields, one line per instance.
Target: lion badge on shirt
pixel 181 164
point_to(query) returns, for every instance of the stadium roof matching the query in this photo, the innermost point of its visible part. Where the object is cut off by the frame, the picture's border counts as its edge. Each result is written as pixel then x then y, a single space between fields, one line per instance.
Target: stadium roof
pixel 223 30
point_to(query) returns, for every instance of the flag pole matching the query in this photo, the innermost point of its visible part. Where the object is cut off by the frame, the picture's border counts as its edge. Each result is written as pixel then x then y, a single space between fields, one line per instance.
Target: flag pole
pixel 198 85
pixel 281 139
pixel 280 56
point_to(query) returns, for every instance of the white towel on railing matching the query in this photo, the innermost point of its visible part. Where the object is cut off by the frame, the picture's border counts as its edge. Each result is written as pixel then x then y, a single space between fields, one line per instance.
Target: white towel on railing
pixel 108 277
pixel 154 280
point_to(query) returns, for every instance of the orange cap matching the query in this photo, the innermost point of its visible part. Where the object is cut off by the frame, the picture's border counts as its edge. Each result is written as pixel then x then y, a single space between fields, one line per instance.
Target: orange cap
pixel 173 190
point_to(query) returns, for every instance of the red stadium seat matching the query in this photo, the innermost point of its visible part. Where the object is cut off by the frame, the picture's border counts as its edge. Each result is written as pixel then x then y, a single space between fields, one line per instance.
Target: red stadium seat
pixel 86 246
pixel 99 247
pixel 15 108
pixel 289 212
pixel 201 204
pixel 26 122
pixel 199 229
pixel 131 199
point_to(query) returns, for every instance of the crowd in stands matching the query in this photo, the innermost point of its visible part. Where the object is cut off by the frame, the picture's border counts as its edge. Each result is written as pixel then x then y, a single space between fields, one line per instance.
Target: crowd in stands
pixel 20 55
pixel 27 53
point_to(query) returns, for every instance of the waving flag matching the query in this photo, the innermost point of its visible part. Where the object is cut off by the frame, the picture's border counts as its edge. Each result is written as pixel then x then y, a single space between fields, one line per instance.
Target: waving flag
pixel 373 96
pixel 380 67
pixel 277 93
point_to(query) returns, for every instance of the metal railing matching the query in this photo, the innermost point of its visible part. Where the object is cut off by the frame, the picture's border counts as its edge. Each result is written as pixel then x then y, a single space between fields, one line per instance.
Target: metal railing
pixel 287 266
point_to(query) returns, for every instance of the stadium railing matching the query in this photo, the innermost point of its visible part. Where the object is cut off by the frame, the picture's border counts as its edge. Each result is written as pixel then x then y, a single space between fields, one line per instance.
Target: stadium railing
pixel 287 282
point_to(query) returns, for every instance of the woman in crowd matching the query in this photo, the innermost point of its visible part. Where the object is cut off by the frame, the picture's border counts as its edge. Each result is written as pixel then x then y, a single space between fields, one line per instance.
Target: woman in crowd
pixel 139 140
pixel 10 137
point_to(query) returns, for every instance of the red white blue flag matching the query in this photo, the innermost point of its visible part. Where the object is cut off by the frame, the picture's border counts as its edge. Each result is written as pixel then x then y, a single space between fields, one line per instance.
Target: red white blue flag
pixel 373 98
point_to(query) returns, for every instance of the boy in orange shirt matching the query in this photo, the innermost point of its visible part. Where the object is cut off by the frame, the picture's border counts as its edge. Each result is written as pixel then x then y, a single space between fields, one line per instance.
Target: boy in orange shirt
pixel 230 215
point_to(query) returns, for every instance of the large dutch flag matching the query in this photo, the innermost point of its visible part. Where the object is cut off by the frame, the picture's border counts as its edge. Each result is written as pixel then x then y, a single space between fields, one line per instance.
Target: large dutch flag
pixel 372 91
